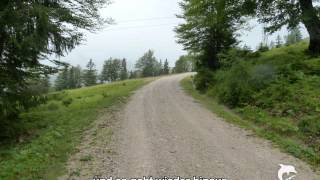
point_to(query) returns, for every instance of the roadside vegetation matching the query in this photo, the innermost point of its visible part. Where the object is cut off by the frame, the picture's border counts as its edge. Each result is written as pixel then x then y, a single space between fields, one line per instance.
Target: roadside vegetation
pixel 275 93
pixel 50 132
pixel 33 37
pixel 275 88
pixel 185 63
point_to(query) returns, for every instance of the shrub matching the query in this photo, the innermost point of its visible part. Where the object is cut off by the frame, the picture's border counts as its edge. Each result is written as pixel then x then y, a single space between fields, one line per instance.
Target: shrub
pixel 263 48
pixel 233 56
pixel 10 109
pixel 277 93
pixel 58 96
pixel 105 95
pixel 235 89
pixel 261 76
pixel 310 126
pixel 203 79
pixel 53 106
pixel 67 102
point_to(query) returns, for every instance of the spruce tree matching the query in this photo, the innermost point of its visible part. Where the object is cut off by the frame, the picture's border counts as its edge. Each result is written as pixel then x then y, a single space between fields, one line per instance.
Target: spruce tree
pixel 61 82
pixel 161 67
pixel 90 74
pixel 124 71
pixel 166 68
pixel 71 78
pixel 30 31
pixel 115 70
pixel 74 77
pixel 104 76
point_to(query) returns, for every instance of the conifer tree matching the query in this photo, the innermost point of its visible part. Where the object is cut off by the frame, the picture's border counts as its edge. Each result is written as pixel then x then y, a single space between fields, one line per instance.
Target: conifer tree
pixel 124 71
pixel 104 76
pixel 166 68
pixel 61 82
pixel 74 77
pixel 161 67
pixel 30 31
pixel 90 74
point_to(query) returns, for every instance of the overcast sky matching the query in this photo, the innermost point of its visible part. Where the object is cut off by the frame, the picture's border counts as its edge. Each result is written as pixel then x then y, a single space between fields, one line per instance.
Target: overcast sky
pixel 142 25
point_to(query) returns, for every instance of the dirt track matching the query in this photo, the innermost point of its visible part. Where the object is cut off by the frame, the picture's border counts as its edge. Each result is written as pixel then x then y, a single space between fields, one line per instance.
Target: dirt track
pixel 164 132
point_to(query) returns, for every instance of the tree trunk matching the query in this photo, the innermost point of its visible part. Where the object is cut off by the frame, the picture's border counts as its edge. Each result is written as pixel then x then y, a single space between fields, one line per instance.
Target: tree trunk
pixel 312 23
pixel 2 41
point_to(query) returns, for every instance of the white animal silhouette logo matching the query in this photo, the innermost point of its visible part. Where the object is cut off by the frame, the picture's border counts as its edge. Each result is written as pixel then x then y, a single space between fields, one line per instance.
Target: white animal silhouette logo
pixel 286 169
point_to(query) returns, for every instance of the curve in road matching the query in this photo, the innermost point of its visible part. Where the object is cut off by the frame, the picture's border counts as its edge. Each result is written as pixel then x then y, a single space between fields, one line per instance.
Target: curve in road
pixel 164 132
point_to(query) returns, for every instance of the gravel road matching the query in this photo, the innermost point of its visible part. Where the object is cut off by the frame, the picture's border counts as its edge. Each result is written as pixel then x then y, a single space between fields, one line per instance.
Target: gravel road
pixel 164 132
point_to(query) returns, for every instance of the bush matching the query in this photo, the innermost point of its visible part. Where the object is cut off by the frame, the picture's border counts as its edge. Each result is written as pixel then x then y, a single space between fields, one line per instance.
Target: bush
pixel 261 76
pixel 310 126
pixel 67 102
pixel 235 89
pixel 58 96
pixel 203 79
pixel 12 104
pixel 233 56
pixel 278 92
pixel 9 126
pixel 53 106
pixel 105 95
pixel 312 67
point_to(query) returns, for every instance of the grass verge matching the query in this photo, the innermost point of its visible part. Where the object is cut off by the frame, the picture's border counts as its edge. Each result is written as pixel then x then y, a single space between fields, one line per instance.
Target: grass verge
pixel 55 129
pixel 285 143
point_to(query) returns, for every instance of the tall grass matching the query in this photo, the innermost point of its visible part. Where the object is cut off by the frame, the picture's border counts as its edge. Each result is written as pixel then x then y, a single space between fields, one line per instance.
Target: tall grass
pixel 55 128
pixel 278 93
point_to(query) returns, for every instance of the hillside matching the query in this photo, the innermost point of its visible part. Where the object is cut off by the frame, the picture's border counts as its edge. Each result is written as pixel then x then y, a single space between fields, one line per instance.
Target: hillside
pixel 53 130
pixel 275 93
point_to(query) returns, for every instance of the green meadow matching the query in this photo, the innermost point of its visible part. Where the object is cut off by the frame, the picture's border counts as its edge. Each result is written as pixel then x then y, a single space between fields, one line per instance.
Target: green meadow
pixel 54 129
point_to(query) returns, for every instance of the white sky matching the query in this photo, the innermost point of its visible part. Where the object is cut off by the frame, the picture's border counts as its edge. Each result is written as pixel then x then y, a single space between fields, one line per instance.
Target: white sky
pixel 141 25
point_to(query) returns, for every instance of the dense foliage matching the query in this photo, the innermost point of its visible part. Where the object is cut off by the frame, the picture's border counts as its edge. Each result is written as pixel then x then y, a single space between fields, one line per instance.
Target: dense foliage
pixel 69 78
pixel 124 70
pixel 277 14
pixel 185 63
pixel 148 65
pixel 275 87
pixel 278 89
pixel 29 32
pixel 90 76
pixel 166 68
pixel 209 29
pixel 113 70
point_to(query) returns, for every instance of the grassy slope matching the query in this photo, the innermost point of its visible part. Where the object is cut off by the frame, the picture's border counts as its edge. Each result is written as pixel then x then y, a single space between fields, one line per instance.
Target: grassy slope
pixel 56 128
pixel 276 111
